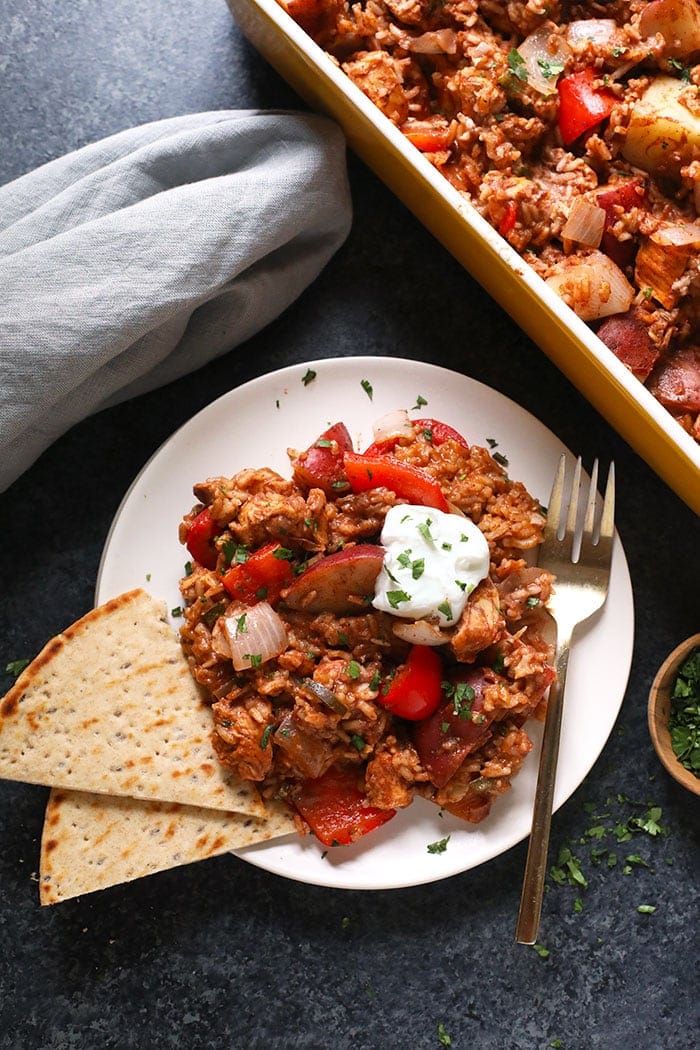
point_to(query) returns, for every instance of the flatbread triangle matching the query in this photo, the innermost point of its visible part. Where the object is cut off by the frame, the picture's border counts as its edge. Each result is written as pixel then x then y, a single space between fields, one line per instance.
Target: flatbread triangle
pixel 91 842
pixel 110 706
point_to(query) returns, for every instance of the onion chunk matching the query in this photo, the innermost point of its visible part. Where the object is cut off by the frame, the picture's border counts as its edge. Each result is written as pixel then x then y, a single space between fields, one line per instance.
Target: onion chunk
pixel 254 633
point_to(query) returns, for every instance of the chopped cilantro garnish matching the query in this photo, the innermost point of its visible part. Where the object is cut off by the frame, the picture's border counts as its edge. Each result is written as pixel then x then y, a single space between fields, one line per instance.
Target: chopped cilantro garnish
pixel 417 568
pixel 396 597
pixel 443 1037
pixel 516 64
pixel 420 403
pixel 684 721
pixel 462 699
pixel 446 610
pixel 177 611
pixel 438 847
pixel 234 553
pixel 357 742
pixel 308 376
pixel 241 624
pixel 354 669
pixel 678 67
pixel 541 951
pixel 264 739
pixel 213 613
pixel 424 529
pixel 323 443
pixel 367 387
pixel 255 659
pixel 15 667
pixel 282 553
pixel 550 69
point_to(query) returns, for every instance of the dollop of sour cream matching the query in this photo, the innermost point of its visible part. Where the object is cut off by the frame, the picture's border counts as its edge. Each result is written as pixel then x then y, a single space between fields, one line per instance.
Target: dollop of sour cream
pixel 433 562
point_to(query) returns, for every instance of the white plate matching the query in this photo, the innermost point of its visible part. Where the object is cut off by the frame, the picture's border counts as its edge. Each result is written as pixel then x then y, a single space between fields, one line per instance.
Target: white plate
pixel 253 426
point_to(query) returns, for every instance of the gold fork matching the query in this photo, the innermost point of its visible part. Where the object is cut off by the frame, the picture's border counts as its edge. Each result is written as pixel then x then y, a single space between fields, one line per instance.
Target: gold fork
pixel 580 559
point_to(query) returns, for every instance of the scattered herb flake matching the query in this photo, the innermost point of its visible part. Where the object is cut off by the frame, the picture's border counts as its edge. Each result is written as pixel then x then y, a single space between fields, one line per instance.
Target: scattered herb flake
pixel 15 667
pixel 354 669
pixel 550 69
pixel 424 529
pixel 420 403
pixel 264 739
pixel 367 387
pixel 308 376
pixel 396 597
pixel 443 1037
pixel 417 568
pixel 646 909
pixel 438 847
pixel 541 951
pixel 516 64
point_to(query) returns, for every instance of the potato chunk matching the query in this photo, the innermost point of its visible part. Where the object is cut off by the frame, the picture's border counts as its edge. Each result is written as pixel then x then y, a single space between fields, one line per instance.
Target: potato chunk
pixel 663 134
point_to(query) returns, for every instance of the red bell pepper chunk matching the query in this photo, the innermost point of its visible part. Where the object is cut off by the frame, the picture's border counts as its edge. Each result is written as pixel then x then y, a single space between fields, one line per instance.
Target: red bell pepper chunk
pixel 336 810
pixel 415 691
pixel 262 577
pixel 436 432
pixel 508 219
pixel 429 135
pixel 321 465
pixel 200 539
pixel 581 104
pixel 408 482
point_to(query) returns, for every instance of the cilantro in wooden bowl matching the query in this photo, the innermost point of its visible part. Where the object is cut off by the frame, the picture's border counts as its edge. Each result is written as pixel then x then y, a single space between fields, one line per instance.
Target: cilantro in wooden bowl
pixel 674 713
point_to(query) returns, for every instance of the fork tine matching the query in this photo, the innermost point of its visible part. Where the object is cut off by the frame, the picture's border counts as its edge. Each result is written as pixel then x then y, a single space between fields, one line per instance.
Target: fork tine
pixel 572 516
pixel 607 521
pixel 589 520
pixel 555 498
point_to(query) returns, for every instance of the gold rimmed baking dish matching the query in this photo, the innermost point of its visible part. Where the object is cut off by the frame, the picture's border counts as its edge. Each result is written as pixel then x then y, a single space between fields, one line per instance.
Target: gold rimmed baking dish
pixel 566 340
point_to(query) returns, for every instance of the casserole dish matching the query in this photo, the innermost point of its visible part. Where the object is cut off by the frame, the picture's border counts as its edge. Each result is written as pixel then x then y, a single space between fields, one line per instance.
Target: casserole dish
pixel 606 383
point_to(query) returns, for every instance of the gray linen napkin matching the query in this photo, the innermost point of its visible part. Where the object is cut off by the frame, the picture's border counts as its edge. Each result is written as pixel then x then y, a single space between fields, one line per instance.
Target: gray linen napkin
pixel 139 258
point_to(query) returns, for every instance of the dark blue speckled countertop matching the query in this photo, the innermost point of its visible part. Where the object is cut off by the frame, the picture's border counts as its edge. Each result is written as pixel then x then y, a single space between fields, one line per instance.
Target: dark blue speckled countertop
pixel 222 954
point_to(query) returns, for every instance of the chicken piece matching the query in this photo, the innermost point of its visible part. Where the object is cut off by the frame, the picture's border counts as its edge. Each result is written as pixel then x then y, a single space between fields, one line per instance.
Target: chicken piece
pixel 238 736
pixel 379 77
pixel 481 624
pixel 385 787
pixel 287 517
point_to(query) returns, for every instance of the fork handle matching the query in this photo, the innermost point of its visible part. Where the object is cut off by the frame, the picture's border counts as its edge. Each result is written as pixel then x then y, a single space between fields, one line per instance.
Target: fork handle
pixel 536 862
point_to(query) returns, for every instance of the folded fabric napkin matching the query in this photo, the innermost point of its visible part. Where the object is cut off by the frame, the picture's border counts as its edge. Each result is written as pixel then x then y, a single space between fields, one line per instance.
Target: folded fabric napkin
pixel 133 261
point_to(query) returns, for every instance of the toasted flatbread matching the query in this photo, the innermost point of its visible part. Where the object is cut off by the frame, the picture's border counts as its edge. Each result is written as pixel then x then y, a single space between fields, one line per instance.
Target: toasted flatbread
pixel 93 841
pixel 110 706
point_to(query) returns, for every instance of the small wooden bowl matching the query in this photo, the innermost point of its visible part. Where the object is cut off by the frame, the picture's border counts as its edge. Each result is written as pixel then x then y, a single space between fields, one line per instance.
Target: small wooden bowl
pixel 660 710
